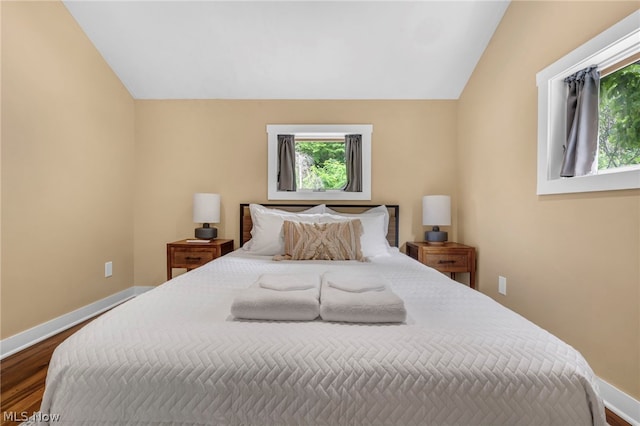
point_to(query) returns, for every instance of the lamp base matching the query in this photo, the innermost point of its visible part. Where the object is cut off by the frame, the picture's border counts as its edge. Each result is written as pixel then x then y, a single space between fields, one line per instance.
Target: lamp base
pixel 436 236
pixel 206 232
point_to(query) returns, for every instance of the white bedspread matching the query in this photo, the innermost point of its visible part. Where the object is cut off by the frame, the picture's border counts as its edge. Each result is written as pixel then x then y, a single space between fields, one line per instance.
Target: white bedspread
pixel 174 355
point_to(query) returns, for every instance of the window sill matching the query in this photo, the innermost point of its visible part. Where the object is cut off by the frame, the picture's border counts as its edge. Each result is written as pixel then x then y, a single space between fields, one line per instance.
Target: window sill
pixel 319 195
pixel 607 181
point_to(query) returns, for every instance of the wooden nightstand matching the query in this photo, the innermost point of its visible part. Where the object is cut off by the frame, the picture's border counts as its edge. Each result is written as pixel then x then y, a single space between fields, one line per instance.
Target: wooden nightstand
pixel 181 254
pixel 447 257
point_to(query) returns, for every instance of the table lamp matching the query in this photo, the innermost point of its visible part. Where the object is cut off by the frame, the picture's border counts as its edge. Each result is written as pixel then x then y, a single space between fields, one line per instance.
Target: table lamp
pixel 206 210
pixel 436 212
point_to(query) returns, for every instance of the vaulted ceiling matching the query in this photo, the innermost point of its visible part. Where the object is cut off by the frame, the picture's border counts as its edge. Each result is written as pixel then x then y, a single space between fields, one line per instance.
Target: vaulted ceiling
pixel 290 49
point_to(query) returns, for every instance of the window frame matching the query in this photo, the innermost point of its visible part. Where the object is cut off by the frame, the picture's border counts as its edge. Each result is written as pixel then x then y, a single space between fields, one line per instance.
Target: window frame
pixel 317 131
pixel 613 45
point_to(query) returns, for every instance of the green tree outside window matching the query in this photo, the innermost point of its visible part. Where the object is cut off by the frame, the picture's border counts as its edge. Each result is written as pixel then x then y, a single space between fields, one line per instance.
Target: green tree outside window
pixel 320 165
pixel 619 132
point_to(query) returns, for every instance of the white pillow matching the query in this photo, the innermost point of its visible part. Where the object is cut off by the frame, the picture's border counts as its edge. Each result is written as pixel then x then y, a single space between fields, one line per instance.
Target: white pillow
pixel 374 210
pixel 320 208
pixel 266 234
pixel 373 241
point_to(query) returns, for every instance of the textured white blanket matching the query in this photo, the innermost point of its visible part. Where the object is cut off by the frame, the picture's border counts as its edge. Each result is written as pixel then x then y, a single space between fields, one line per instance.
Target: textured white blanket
pixel 173 356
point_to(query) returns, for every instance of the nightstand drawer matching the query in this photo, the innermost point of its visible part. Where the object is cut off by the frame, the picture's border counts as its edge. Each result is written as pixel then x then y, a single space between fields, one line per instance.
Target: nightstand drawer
pixel 448 262
pixel 189 255
pixel 448 257
pixel 188 258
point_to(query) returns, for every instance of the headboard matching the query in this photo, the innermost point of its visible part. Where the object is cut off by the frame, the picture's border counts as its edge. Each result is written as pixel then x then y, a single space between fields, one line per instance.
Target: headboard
pixel 392 235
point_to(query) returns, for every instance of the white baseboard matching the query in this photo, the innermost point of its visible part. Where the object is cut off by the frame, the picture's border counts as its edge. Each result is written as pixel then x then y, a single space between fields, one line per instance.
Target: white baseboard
pixel 23 340
pixel 625 406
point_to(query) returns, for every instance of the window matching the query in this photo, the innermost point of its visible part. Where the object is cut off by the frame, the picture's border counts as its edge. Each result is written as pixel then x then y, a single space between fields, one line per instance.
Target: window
pixel 320 162
pixel 619 45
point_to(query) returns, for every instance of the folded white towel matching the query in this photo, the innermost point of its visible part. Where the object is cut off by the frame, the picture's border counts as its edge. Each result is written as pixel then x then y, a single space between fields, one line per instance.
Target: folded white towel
pixel 289 282
pixel 383 306
pixel 356 283
pixel 259 303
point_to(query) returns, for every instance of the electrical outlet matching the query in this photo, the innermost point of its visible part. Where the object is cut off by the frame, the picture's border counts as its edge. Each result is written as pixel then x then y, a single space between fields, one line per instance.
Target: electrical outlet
pixel 502 285
pixel 108 269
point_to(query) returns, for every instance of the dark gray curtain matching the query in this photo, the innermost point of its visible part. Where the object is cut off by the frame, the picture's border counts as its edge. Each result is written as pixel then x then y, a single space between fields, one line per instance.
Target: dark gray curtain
pixel 286 163
pixel 582 123
pixel 353 161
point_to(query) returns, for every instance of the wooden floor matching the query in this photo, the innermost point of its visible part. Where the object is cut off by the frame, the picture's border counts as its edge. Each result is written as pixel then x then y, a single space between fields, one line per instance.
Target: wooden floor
pixel 22 379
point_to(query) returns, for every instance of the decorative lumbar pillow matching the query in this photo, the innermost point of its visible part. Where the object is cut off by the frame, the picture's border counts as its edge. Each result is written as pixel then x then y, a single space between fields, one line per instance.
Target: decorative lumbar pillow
pixel 322 241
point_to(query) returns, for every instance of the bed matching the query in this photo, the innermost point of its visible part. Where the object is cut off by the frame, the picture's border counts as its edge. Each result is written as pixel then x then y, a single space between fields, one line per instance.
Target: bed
pixel 175 355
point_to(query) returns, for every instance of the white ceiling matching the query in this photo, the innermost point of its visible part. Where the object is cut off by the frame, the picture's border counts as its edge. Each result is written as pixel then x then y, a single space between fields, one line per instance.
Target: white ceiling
pixel 290 49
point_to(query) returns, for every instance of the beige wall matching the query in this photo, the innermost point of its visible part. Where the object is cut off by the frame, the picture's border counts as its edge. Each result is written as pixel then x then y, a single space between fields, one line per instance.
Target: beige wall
pixel 571 261
pixel 221 146
pixel 67 168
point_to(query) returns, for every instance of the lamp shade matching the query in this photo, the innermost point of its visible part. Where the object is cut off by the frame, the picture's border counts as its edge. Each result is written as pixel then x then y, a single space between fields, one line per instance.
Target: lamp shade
pixel 436 210
pixel 206 208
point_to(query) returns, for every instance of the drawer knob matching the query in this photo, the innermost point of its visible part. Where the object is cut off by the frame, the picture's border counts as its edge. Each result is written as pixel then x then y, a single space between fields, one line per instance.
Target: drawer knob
pixel 192 259
pixel 446 261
